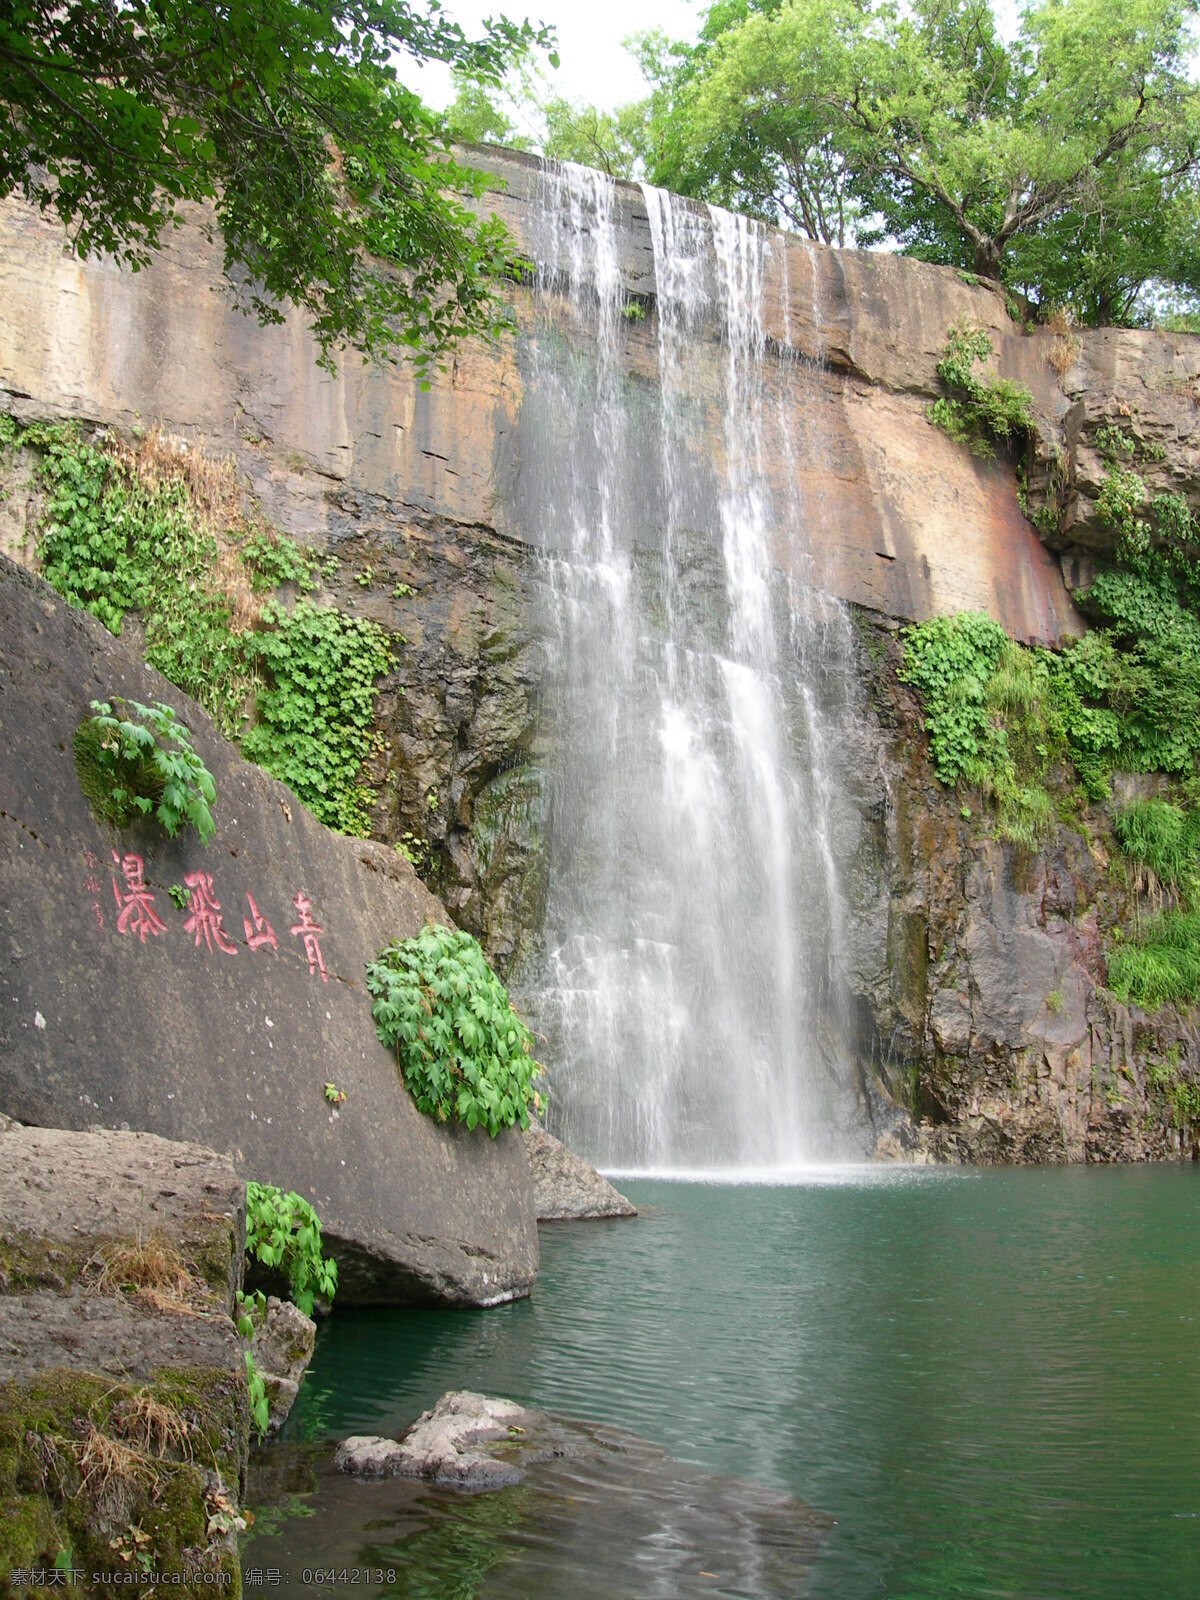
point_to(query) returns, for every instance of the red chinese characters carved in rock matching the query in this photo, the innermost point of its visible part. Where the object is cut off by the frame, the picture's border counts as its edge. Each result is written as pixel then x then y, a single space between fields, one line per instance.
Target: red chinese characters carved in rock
pixel 205 920
pixel 92 884
pixel 135 907
pixel 259 932
pixel 308 930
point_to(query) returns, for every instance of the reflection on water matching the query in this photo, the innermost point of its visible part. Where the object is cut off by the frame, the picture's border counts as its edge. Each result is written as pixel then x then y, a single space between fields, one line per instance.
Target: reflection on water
pixel 990 1380
pixel 609 1516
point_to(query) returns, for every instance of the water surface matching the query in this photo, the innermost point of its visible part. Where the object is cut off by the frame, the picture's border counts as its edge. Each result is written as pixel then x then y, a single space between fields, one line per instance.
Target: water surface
pixel 990 1380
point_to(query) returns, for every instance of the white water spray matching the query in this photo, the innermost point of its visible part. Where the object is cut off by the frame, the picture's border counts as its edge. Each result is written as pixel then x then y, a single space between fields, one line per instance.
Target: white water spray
pixel 687 989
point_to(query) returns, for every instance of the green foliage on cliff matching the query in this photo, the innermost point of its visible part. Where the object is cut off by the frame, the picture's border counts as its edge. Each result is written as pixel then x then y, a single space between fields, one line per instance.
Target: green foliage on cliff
pixel 993 719
pixel 463 1051
pixel 951 660
pixel 159 532
pixel 314 723
pixel 980 410
pixel 1124 698
pixel 1160 840
pixel 283 1233
pixel 1018 724
pixel 137 760
pixel 333 188
pixel 1163 838
pixel 1162 964
pixel 136 530
pixel 1060 158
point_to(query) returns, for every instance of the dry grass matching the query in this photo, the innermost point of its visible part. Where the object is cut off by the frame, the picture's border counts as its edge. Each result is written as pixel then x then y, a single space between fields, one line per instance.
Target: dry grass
pixel 113 1473
pixel 1060 319
pixel 151 1426
pixel 214 492
pixel 1061 356
pixel 211 481
pixel 51 1452
pixel 152 1268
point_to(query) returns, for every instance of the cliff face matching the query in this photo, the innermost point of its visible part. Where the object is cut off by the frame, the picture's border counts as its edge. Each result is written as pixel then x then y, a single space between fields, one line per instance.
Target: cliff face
pixel 981 966
pixel 895 516
pixel 977 969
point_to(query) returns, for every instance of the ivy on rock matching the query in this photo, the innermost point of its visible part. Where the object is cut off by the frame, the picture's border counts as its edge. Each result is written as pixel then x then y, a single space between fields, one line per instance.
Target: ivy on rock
pixel 314 727
pixel 158 529
pixel 463 1052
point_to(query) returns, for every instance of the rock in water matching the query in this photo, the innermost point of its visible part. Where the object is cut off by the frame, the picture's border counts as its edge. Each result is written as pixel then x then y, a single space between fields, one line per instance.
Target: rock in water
pixel 454 1443
pixel 222 1022
pixel 600 1511
pixel 282 1347
pixel 565 1187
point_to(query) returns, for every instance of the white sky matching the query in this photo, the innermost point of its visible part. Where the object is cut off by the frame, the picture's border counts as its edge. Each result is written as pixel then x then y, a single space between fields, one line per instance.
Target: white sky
pixel 594 69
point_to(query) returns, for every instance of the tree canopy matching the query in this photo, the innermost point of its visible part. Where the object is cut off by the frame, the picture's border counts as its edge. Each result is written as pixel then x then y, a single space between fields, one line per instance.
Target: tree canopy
pixel 290 119
pixel 1063 162
pixel 554 126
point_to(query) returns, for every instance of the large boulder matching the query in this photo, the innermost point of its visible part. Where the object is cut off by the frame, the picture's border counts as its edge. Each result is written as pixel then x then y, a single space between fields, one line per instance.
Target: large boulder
pixel 148 1019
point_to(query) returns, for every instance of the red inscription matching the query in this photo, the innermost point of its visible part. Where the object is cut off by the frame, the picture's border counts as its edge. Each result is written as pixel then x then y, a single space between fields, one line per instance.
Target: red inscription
pixel 205 920
pixel 308 930
pixel 259 932
pixel 135 908
pixel 91 885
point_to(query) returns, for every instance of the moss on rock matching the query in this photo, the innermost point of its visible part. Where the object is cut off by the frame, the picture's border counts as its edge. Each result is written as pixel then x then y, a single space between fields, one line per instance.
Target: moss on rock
pixel 80 1483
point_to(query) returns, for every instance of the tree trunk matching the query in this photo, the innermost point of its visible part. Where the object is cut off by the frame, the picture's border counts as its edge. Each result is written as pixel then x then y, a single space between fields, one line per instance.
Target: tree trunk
pixel 988 255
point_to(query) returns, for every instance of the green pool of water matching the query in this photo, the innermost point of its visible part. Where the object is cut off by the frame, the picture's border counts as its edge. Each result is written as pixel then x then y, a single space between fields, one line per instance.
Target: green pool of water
pixel 990 1380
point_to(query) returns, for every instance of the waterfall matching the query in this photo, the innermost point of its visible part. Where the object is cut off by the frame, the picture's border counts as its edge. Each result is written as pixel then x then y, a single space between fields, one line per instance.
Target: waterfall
pixel 689 989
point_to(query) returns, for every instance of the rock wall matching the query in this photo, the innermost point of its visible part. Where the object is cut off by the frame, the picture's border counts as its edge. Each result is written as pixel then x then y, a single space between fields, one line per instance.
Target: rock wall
pixel 897 517
pixel 222 1022
pixel 980 969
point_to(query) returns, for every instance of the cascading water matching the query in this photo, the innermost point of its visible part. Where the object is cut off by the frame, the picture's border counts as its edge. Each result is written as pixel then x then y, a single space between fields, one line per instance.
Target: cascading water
pixel 689 989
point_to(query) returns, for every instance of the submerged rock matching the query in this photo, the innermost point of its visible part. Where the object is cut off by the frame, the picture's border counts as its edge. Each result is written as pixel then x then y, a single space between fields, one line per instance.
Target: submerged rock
pixel 367 1455
pixel 282 1348
pixel 583 1510
pixel 454 1443
pixel 565 1187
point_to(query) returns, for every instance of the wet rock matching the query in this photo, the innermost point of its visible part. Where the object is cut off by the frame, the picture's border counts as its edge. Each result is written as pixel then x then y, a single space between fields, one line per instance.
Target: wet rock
pixel 158 1024
pixel 565 1186
pixel 366 1455
pixel 462 780
pixel 467 1440
pixel 600 1512
pixel 282 1348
